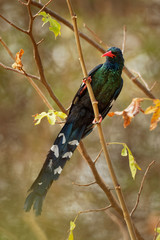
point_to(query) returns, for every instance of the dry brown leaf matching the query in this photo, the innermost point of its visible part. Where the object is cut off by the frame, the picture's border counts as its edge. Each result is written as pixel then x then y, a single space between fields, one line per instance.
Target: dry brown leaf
pixel 18 64
pixel 129 113
pixel 156 113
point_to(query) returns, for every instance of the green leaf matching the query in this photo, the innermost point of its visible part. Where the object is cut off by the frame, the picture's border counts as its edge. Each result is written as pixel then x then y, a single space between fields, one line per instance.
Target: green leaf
pixel 157 230
pixel 51 116
pixel 124 151
pixel 61 115
pixel 158 237
pixel 72 227
pixel 54 27
pixel 133 164
pixel 44 14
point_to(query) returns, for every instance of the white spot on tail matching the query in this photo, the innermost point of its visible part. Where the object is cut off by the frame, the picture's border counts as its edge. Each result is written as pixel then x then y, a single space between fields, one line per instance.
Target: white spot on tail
pixel 40 183
pixel 67 154
pixel 55 149
pixel 74 142
pixel 63 137
pixel 58 170
pixel 50 164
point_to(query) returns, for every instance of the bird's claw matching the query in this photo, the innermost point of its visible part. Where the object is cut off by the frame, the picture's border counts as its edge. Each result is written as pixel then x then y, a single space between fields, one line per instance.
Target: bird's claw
pixel 84 81
pixel 87 78
pixel 99 121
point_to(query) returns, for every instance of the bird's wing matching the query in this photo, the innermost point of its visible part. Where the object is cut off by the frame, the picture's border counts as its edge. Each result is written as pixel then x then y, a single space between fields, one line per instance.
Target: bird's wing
pixel 91 126
pixel 114 97
pixel 81 91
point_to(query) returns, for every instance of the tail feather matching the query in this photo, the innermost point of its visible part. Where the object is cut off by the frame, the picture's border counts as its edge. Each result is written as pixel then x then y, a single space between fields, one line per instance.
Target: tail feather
pixel 61 151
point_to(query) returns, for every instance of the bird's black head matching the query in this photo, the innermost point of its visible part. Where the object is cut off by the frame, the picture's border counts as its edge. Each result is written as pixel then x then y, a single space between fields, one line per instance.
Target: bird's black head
pixel 114 54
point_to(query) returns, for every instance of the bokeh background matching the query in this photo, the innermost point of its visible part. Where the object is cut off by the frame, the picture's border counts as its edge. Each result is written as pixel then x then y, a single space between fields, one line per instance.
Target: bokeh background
pixel 23 146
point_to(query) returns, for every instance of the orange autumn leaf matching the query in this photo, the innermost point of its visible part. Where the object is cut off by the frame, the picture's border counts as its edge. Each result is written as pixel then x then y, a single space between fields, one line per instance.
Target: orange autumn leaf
pixel 129 112
pixel 18 64
pixel 156 113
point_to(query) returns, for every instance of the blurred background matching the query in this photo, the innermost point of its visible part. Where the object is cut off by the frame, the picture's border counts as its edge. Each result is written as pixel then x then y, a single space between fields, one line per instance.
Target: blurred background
pixel 23 146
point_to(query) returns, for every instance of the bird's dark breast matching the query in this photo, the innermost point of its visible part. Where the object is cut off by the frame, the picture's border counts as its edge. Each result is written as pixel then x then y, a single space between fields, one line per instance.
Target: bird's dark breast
pixel 105 87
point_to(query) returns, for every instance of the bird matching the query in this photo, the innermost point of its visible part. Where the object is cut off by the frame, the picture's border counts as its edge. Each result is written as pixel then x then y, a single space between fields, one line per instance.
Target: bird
pixel 107 83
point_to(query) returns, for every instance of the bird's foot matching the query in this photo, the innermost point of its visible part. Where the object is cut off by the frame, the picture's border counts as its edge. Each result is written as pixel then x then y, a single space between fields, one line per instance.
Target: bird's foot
pixel 99 121
pixel 87 78
pixel 84 81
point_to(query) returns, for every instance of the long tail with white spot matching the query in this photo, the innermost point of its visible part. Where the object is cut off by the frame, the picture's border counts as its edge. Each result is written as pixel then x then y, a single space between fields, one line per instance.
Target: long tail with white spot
pixel 61 151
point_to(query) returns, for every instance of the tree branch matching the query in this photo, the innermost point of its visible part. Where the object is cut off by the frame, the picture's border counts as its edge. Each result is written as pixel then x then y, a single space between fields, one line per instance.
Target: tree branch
pixel 17 71
pixel 141 188
pixel 7 49
pixel 97 46
pixel 95 210
pixel 84 185
pixel 101 136
pixel 39 62
pixel 99 180
pixel 13 25
pixel 42 96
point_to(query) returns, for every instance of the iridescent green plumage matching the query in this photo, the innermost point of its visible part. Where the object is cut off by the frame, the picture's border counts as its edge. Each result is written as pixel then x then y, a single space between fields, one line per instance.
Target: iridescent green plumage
pixel 107 84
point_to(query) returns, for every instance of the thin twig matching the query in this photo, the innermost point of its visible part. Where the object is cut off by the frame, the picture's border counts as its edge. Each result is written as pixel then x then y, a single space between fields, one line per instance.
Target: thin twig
pixel 141 188
pixel 17 71
pixel 42 96
pixel 98 179
pixel 124 38
pixel 101 136
pixel 13 25
pixel 39 42
pixel 142 79
pixel 95 210
pixel 84 185
pixel 7 49
pixel 137 83
pixel 44 6
pixel 23 3
pixel 99 154
pixel 119 223
pixel 97 38
pixel 27 76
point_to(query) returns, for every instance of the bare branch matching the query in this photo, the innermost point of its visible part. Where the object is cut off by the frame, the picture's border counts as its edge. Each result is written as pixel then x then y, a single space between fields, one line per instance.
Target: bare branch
pixel 97 38
pixel 99 180
pixel 17 71
pixel 84 185
pixel 7 49
pixel 138 84
pixel 124 38
pixel 23 3
pixel 142 79
pixel 39 42
pixel 44 6
pixel 141 188
pixel 42 96
pixel 39 61
pixel 13 25
pixel 119 223
pixel 99 154
pixel 95 210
